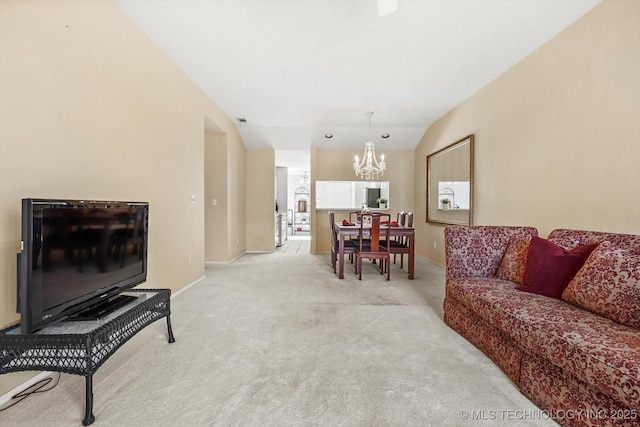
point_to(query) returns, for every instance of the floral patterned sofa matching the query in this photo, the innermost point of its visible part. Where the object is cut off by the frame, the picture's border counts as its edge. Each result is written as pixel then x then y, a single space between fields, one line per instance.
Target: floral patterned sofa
pixel 576 356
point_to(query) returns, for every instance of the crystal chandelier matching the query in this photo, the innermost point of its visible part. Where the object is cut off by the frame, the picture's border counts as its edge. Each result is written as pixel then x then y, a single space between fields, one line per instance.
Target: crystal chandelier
pixel 305 178
pixel 369 168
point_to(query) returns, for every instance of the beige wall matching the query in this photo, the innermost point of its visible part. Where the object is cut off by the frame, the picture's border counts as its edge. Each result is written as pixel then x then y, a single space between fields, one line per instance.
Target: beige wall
pixel 90 108
pixel 557 137
pixel 337 165
pixel 215 188
pixel 236 201
pixel 261 196
pixel 225 182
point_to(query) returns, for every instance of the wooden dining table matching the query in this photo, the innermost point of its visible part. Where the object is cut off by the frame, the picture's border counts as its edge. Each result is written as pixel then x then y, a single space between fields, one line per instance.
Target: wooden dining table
pixel 343 232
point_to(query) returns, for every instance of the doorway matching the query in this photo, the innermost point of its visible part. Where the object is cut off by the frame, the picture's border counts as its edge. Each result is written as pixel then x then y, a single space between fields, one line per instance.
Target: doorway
pixel 293 198
pixel 295 245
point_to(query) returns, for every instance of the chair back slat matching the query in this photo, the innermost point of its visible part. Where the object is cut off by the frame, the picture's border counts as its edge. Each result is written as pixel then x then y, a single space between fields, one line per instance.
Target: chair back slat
pixel 375 233
pixel 332 228
pixel 409 216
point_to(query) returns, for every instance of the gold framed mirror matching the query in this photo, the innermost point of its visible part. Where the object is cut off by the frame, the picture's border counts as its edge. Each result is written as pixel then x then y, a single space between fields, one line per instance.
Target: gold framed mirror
pixel 450 184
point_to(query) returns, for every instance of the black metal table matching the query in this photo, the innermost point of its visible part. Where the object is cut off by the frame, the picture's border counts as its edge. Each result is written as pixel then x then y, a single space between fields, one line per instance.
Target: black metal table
pixel 81 347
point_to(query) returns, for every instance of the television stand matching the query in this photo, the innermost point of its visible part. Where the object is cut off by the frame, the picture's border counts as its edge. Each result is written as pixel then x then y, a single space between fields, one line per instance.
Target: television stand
pixel 80 348
pixel 103 308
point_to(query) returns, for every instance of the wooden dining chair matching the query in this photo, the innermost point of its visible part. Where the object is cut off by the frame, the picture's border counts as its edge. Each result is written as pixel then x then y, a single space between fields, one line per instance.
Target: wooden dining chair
pixel 377 246
pixel 401 218
pixel 400 246
pixel 349 245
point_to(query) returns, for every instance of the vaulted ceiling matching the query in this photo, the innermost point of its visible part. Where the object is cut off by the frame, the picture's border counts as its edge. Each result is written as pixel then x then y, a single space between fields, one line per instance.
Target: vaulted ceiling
pixel 297 70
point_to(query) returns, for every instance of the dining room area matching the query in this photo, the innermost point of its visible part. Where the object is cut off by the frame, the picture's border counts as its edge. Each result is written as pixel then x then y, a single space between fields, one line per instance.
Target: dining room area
pixel 351 214
pixel 375 236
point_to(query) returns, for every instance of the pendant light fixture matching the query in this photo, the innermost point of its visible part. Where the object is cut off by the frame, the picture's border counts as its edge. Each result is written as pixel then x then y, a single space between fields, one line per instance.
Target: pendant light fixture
pixel 369 168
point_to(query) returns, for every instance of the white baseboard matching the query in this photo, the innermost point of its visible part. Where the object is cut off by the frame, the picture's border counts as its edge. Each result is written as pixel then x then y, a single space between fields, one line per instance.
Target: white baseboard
pixel 181 290
pixel 224 262
pixel 22 387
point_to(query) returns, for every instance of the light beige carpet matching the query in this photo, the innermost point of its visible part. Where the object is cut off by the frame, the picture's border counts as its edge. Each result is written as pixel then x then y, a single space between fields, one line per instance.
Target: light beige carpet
pixel 279 340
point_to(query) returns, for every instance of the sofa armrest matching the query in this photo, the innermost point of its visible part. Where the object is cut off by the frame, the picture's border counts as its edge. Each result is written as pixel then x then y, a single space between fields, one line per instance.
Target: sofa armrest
pixel 476 251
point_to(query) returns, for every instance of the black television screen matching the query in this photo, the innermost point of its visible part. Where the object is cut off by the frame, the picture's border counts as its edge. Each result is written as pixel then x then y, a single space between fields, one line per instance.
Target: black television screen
pixel 77 254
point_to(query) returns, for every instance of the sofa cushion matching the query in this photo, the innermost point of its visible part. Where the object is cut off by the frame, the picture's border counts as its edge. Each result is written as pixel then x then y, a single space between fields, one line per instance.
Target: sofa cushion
pixel 514 259
pixel 504 351
pixel 550 267
pixel 593 348
pixel 608 284
pixel 576 402
pixel 562 237
pixel 474 251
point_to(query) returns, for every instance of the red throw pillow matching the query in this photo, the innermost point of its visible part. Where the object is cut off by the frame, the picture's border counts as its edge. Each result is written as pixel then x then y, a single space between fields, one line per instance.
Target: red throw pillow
pixel 550 268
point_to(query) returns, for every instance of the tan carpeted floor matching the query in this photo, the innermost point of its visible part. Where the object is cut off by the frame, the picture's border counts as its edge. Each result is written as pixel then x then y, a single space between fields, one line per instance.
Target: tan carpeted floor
pixel 279 340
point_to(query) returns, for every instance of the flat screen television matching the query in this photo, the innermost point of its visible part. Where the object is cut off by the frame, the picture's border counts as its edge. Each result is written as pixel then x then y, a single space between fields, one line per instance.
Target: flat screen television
pixel 77 256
